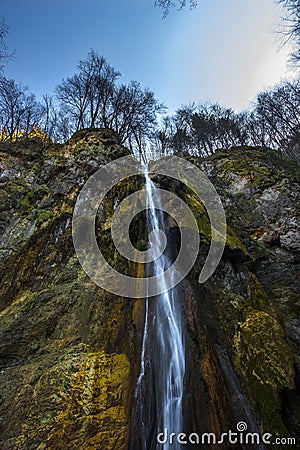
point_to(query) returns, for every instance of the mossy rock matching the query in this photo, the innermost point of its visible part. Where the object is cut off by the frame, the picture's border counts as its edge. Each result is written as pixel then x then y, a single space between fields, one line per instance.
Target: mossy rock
pixel 258 297
pixel 41 215
pixel 95 407
pixel 265 361
pixel 233 242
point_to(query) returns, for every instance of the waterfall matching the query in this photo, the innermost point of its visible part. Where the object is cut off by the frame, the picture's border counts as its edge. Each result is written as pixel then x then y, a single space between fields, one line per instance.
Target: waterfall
pixel 159 391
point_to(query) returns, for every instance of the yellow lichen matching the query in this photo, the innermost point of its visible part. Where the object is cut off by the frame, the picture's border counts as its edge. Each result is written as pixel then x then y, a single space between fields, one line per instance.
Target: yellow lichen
pixel 265 361
pixel 95 406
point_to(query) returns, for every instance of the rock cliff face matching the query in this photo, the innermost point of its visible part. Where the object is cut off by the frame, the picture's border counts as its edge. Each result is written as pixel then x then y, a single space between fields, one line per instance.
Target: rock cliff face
pixel 250 306
pixel 66 346
pixel 69 351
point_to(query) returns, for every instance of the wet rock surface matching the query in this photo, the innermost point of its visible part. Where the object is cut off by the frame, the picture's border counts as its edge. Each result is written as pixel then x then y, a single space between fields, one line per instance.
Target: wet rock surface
pixel 69 351
pixel 66 346
pixel 250 306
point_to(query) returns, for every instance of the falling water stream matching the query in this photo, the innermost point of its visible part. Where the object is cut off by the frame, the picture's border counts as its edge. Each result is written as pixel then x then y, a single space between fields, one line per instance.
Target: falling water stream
pixel 158 401
pixel 162 357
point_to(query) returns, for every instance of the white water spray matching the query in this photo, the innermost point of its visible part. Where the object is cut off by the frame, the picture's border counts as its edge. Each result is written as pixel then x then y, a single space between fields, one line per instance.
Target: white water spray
pixel 162 357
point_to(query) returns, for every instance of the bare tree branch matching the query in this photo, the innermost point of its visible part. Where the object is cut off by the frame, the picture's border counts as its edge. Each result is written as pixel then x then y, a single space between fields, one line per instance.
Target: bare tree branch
pixel 166 5
pixel 290 29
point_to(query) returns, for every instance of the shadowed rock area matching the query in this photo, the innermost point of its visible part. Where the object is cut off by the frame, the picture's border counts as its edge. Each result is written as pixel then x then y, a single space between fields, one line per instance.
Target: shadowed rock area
pixel 70 351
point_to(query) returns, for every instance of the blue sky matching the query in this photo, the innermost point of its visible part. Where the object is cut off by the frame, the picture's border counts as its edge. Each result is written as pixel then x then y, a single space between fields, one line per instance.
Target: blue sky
pixel 224 51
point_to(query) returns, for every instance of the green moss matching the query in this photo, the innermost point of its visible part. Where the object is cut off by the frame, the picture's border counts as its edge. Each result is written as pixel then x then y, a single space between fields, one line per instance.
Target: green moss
pixel 277 160
pixel 121 191
pixel 259 166
pixel 265 362
pixel 200 214
pixel 287 301
pixel 234 242
pixel 26 204
pixel 45 420
pixel 204 226
pixel 231 311
pixel 258 297
pixel 41 215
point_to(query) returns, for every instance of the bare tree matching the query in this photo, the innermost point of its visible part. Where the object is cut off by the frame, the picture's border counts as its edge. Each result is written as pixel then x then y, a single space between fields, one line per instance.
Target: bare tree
pixel 93 98
pixel 291 26
pixel 166 5
pixel 63 127
pixel 133 114
pixel 163 136
pixel 85 96
pixel 5 55
pixel 20 113
pixel 201 130
pixel 49 119
pixel 279 110
pixel 254 129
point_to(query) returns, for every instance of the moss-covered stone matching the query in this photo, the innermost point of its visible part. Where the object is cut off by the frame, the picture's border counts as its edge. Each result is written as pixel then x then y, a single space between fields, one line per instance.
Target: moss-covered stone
pixel 204 226
pixel 252 300
pixel 265 362
pixel 258 297
pixel 94 412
